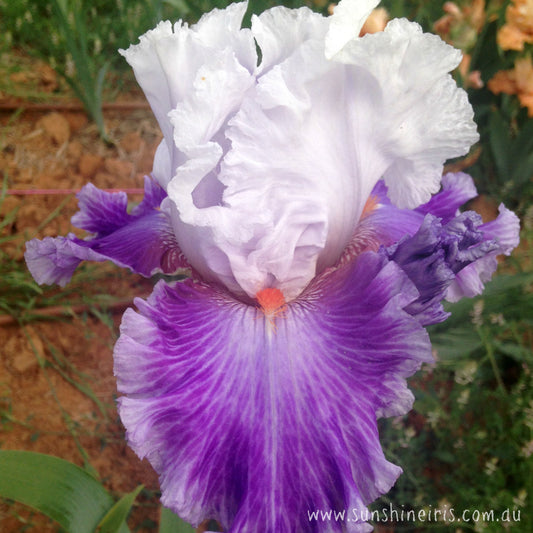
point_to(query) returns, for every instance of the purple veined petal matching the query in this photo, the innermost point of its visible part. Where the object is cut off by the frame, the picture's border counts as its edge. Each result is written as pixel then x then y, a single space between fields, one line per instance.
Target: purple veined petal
pixel 422 257
pixel 102 212
pixel 451 260
pixel 54 260
pixel 457 189
pixel 154 195
pixel 384 224
pixel 434 255
pixel 146 246
pixel 142 241
pixel 504 231
pixel 257 419
pixel 445 253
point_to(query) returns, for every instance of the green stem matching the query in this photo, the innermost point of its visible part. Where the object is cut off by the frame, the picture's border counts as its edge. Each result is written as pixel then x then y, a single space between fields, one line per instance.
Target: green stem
pixel 490 354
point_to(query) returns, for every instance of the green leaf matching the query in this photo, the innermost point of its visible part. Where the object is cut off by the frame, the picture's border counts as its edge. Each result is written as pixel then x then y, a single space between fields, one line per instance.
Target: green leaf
pixel 60 490
pixel 172 523
pixel 517 352
pixel 500 144
pixel 486 55
pixel 455 343
pixel 524 141
pixel 114 520
pixel 445 456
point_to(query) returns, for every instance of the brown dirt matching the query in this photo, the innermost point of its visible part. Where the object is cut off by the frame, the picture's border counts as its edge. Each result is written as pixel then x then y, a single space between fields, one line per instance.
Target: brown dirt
pixel 48 367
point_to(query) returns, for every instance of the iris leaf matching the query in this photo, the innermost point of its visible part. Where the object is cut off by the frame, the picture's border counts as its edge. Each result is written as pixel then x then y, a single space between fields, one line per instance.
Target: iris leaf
pixel 114 520
pixel 172 523
pixel 57 488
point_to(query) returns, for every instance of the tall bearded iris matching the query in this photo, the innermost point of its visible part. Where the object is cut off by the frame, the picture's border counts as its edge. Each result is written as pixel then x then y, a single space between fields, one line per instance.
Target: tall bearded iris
pixel 298 190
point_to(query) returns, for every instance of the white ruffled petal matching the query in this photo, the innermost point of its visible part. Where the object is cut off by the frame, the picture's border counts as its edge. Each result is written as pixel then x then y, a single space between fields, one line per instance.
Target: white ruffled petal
pixel 280 31
pixel 302 163
pixel 221 28
pixel 423 118
pixel 293 154
pixel 166 63
pixel 268 168
pixel 217 92
pixel 346 23
pixel 151 76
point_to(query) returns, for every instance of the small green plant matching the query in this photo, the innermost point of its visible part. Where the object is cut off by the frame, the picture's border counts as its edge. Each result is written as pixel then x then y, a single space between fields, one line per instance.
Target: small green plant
pixel 87 76
pixel 468 445
pixel 69 495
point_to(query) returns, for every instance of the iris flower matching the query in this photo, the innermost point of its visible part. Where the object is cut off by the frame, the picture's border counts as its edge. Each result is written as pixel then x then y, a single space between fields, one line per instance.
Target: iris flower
pixel 300 181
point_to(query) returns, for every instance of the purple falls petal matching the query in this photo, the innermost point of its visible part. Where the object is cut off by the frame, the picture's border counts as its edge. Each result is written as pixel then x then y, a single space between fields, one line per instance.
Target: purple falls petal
pixel 446 254
pixel 433 257
pixel 457 189
pixel 257 424
pixel 142 241
pixel 102 212
pixel 387 224
pixel 54 260
pixel 504 231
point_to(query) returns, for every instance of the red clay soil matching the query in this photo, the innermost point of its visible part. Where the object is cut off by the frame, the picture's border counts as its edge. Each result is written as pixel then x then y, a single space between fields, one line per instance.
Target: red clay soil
pixel 45 366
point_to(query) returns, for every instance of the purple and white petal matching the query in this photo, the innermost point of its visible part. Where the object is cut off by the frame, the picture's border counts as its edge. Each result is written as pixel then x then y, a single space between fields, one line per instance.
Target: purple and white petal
pixel 433 256
pixel 259 412
pixel 457 189
pixel 142 240
pixel 103 212
pixel 384 224
pixel 256 420
pixel 504 231
pixel 54 260
pixel 146 245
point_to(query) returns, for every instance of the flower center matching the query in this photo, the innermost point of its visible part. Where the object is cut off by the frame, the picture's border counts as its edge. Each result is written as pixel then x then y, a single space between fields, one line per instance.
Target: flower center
pixel 272 302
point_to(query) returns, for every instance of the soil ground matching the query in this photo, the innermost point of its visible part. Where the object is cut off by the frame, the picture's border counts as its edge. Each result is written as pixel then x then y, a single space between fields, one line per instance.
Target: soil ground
pixel 57 389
